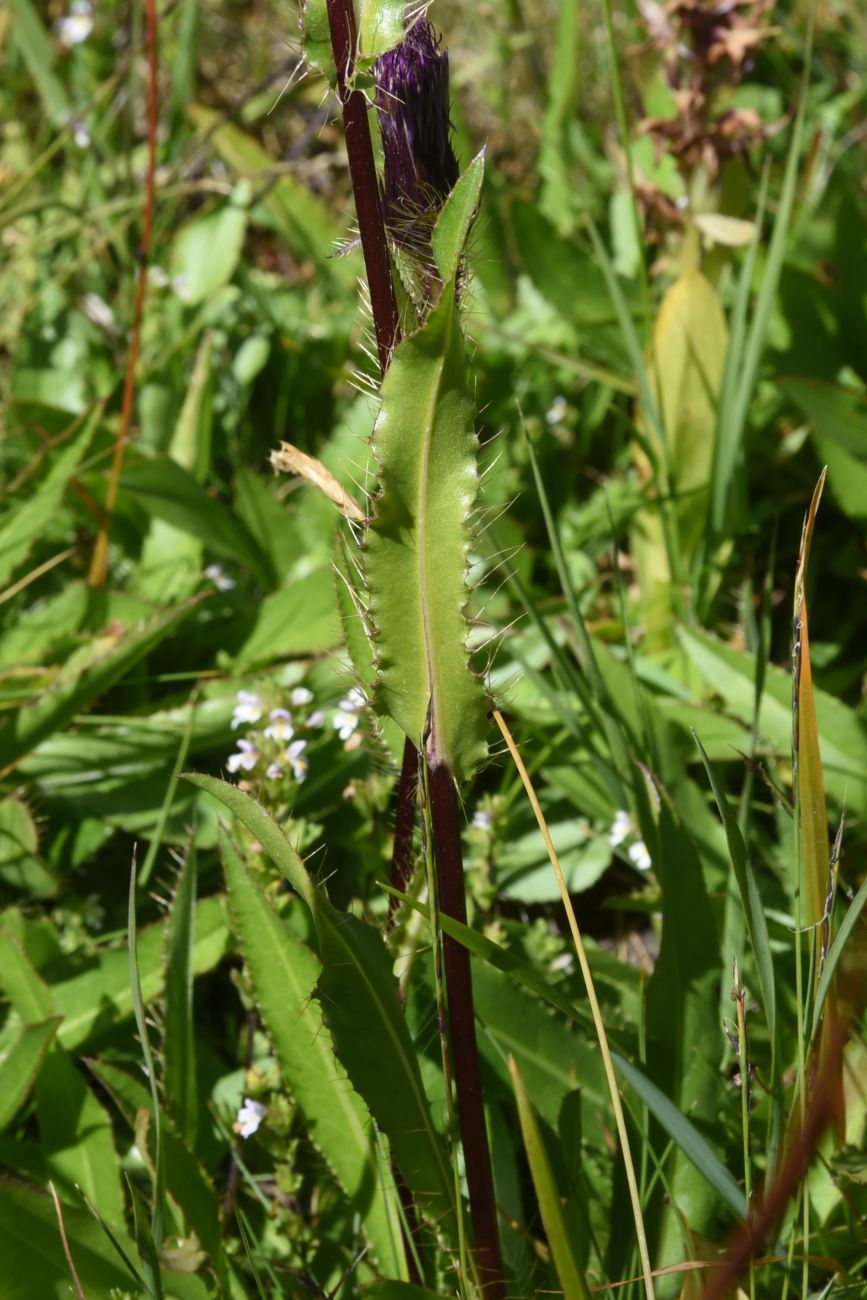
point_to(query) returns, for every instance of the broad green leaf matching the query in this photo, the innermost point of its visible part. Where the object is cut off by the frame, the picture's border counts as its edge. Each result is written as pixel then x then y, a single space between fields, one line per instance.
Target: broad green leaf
pixel 683 1041
pixel 25 522
pixel 179 1040
pixel 750 897
pixel 19 1067
pixel 455 219
pixel 32 1262
pixel 569 1274
pixel 304 222
pixel 191 1187
pixel 730 674
pixel 20 863
pixel 379 23
pixel 206 250
pixel 416 546
pixel 686 1136
pixel 284 974
pixel 76 1137
pixel 169 492
pixel 113 655
pixel 171 562
pixel 100 997
pixel 21 983
pixel 299 619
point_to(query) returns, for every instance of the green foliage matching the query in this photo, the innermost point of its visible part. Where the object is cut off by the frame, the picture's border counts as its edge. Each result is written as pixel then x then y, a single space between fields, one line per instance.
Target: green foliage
pixel 586 475
pixel 417 544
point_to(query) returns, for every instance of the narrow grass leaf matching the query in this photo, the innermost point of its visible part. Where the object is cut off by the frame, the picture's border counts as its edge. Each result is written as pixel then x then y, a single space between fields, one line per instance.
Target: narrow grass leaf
pixel 569 1272
pixel 179 1037
pixel 122 652
pixel 812 809
pixel 687 1137
pixel 25 522
pixel 750 897
pixel 34 43
pixel 154 1236
pixel 835 952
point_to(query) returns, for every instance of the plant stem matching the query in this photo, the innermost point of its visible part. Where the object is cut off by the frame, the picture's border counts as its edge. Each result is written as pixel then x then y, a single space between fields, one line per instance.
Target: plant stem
pixel 446 828
pixel 365 182
pixel 386 324
pixel 99 561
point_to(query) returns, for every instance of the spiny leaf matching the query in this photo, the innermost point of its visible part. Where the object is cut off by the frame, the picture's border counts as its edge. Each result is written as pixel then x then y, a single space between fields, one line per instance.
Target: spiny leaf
pixel 417 542
pixel 362 1010
pixel 379 23
pixel 284 974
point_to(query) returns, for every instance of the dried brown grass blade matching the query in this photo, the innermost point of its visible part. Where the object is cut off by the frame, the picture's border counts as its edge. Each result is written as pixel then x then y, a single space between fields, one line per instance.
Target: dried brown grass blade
pixel 291 460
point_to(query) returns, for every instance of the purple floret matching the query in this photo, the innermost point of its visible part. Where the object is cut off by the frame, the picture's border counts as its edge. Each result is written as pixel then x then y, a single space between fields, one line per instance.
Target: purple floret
pixel 412 100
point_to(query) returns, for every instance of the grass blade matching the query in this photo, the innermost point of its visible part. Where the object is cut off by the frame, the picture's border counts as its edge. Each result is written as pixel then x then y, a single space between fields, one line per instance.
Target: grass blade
pixel 568 1269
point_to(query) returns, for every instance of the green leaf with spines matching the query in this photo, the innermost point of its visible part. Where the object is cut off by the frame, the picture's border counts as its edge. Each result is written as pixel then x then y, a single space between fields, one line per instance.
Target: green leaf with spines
pixel 417 542
pixel 362 1010
pixel 284 973
pixel 379 24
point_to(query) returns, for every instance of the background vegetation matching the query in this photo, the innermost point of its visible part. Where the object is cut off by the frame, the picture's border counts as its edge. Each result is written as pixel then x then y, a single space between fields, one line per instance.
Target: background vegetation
pixel 666 305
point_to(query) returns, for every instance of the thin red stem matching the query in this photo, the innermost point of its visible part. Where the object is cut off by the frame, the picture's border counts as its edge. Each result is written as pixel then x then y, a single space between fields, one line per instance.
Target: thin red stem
pixel 365 182
pixel 445 823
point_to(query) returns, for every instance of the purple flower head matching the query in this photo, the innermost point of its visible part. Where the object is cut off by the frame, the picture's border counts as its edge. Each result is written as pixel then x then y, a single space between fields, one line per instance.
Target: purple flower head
pixel 412 100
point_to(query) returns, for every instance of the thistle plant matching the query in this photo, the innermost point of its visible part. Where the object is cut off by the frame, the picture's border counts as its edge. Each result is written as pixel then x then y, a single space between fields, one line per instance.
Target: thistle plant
pixel 415 542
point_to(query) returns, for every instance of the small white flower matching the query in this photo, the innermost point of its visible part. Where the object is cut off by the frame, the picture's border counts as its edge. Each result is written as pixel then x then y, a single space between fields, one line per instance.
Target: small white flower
pixel 274 771
pixel 639 856
pixel 158 278
pixel 300 696
pixel 76 26
pixel 294 756
pixel 248 709
pixel 344 723
pixel 181 286
pixel 281 725
pixel 247 757
pixel 557 410
pixel 249 1118
pixel 345 719
pixel 97 310
pixel 316 719
pixel 482 821
pixel 565 962
pixel 81 135
pixel 214 572
pixel 621 829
